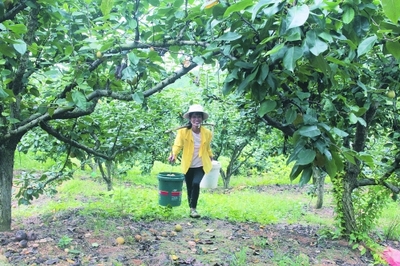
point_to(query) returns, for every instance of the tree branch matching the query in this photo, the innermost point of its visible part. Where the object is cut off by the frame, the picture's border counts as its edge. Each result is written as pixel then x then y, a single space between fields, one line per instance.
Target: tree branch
pixel 50 130
pixel 14 11
pixel 371 182
pixel 286 129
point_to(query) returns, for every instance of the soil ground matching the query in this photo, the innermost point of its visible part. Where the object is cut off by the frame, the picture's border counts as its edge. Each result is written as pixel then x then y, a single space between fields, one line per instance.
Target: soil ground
pixel 89 240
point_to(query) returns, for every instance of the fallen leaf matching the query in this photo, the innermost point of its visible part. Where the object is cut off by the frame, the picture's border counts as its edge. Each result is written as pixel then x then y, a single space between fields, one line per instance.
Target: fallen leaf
pixel 192 243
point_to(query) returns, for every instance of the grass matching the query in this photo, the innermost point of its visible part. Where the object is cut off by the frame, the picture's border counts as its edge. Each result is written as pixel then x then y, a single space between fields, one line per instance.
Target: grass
pixel 29 162
pixel 390 221
pixel 240 203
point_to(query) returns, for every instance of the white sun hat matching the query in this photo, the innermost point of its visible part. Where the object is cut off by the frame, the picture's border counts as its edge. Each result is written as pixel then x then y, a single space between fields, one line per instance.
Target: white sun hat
pixel 196 108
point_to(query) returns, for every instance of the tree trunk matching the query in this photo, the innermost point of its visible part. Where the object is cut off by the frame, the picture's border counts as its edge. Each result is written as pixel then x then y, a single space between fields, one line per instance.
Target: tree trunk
pixel 224 178
pixel 319 183
pixel 106 174
pixel 349 184
pixel 7 151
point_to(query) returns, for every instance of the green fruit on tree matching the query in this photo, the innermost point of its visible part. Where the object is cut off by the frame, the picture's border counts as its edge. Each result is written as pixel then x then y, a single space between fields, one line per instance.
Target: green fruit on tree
pixel 391 94
pixel 99 54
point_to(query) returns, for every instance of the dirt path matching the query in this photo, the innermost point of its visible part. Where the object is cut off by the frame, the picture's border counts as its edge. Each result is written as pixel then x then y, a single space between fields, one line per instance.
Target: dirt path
pixel 68 238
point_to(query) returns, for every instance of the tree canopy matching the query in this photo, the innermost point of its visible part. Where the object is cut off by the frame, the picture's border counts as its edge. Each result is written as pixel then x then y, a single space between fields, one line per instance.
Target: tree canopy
pixel 325 73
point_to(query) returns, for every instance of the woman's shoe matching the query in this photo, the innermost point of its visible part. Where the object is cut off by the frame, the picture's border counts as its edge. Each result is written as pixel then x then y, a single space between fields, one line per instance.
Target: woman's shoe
pixel 194 214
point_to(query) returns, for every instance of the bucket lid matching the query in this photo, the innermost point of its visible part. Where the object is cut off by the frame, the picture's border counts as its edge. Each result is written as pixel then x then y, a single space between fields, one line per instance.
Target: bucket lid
pixel 215 163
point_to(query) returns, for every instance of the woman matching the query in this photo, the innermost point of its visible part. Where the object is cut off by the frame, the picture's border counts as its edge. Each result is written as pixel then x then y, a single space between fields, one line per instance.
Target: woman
pixel 195 141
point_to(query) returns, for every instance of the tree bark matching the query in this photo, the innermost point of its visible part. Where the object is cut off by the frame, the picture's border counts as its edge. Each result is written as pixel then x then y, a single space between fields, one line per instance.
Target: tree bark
pixel 349 184
pixel 7 151
pixel 319 183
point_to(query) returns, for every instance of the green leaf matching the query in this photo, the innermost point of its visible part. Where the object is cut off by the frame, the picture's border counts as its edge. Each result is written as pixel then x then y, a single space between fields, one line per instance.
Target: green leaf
pixel 237 7
pixel 336 61
pixel 320 63
pixel 305 157
pixel 18 28
pixel 257 8
pixel 242 87
pixel 266 106
pixel 291 56
pixel 229 36
pixel 79 99
pixel 340 132
pixel 393 48
pixel 327 154
pixel 353 118
pixel 367 158
pixel 293 34
pixel 348 15
pixel 309 131
pixel 3 94
pixel 275 49
pixel 366 45
pixel 178 3
pixel 296 170
pixel 302 95
pixel 361 121
pixel 263 74
pixel 154 2
pixel 297 16
pixel 391 8
pixel 106 6
pixel 68 50
pixel 258 92
pixel 306 175
pixel 228 87
pixel 155 57
pixel 133 58
pixel 338 161
pixel 331 168
pixel 138 97
pixel 290 115
pixel 297 149
pixel 7 50
pixel 350 156
pixel 20 46
pixel 50 111
pixel 319 47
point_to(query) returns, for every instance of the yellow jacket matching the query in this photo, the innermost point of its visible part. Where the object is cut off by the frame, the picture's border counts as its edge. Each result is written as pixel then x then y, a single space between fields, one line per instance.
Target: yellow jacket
pixel 184 141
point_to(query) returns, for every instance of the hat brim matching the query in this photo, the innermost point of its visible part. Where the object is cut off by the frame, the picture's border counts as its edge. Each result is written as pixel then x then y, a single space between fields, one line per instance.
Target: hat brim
pixel 205 115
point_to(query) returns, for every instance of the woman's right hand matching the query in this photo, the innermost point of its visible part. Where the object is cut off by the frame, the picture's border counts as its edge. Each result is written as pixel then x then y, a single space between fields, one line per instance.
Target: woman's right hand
pixel 172 158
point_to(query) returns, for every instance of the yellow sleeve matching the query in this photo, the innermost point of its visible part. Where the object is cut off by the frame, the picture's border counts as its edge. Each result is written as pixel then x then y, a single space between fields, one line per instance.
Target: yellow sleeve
pixel 178 143
pixel 209 150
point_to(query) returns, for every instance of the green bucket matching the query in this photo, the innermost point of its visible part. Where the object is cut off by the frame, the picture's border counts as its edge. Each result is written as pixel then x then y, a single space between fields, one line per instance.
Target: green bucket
pixel 170 188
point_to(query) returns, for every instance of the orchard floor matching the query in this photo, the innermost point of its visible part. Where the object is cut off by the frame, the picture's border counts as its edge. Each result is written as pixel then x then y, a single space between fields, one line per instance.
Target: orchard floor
pixel 88 240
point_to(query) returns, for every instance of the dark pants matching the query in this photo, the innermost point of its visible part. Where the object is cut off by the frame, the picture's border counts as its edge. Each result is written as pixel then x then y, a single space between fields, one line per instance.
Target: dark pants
pixel 193 178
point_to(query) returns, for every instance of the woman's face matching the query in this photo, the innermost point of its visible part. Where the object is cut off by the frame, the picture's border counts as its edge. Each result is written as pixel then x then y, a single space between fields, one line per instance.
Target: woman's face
pixel 196 119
